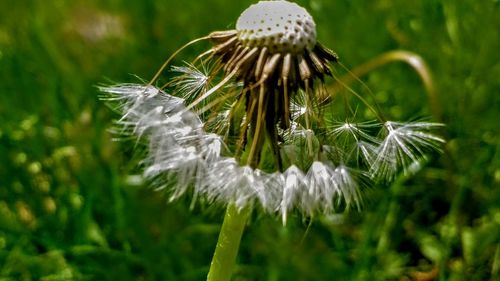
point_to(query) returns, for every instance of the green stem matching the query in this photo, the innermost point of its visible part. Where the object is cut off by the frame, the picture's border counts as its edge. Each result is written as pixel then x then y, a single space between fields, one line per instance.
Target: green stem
pixel 226 250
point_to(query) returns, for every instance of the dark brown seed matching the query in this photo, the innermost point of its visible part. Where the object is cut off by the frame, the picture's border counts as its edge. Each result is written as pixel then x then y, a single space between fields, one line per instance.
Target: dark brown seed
pixel 220 37
pixel 226 46
pixel 270 66
pixel 325 53
pixel 260 63
pixel 304 69
pixel 287 64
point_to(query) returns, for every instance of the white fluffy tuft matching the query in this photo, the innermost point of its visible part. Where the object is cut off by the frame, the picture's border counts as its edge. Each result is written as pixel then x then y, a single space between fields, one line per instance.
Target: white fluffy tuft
pixel 180 149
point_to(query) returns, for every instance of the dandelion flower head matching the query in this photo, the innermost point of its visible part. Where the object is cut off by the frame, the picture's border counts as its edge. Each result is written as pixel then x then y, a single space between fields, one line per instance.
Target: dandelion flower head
pixel 247 122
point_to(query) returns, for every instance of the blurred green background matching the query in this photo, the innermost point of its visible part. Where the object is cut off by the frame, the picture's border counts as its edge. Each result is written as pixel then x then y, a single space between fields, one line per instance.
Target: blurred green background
pixel 70 211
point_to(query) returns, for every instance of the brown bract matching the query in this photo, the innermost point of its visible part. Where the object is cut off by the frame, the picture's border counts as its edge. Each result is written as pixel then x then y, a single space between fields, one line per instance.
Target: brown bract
pixel 270 79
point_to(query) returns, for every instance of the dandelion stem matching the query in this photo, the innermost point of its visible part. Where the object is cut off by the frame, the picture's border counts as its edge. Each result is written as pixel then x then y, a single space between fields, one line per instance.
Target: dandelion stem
pixel 226 250
pixel 224 259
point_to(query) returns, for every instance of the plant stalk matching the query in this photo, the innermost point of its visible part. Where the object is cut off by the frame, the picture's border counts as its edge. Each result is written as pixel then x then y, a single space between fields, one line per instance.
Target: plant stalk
pixel 234 222
pixel 228 244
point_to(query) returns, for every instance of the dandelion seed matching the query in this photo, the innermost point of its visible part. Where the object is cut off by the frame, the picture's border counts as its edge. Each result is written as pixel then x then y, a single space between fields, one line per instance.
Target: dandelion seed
pixel 355 132
pixel 190 80
pixel 403 145
pixel 345 179
pixel 294 185
pixel 352 141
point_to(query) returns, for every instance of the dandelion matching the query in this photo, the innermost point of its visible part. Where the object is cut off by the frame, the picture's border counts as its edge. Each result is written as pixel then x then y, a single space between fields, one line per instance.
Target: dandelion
pixel 244 125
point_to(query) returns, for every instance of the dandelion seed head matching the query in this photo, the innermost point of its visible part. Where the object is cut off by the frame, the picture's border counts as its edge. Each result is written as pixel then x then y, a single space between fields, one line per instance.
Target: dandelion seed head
pixel 258 137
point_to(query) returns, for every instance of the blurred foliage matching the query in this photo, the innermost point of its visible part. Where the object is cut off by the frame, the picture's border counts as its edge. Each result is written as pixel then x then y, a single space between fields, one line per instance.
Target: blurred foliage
pixel 70 211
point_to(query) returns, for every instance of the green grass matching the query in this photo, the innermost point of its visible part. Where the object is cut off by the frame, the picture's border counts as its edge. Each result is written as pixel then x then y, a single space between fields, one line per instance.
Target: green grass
pixel 69 211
